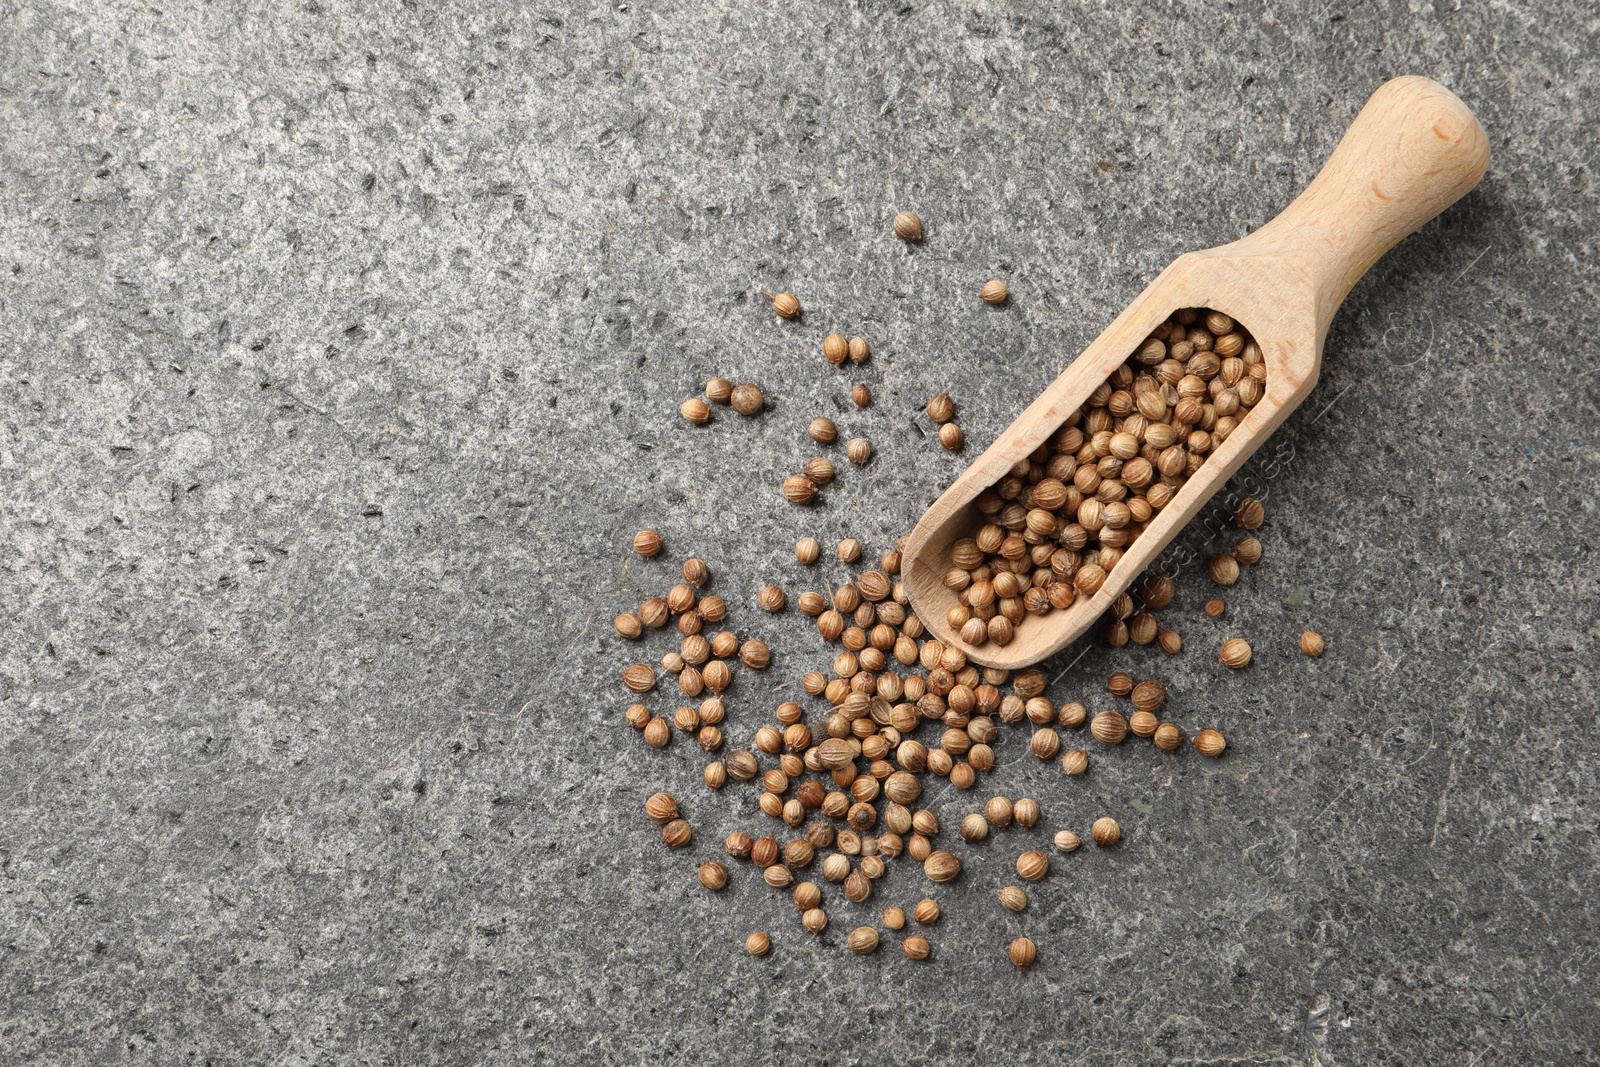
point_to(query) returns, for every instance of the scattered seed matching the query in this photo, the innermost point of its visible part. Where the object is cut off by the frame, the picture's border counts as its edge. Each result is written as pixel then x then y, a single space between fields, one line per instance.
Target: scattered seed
pixel 1215 607
pixel 916 947
pixel 1075 762
pixel 950 437
pixel 1311 643
pixel 719 390
pixel 860 351
pixel 1023 952
pixel 835 349
pixel 907 226
pixel 994 292
pixel 863 940
pixel 676 833
pixel 1249 514
pixel 1210 743
pixel 696 411
pixel 861 396
pixel 1013 898
pixel 1067 841
pixel 822 430
pixel 858 450
pixel 757 944
pixel 806 550
pixel 713 875
pixel 799 489
pixel 1235 653
pixel 771 598
pixel 1106 832
pixel 647 543
pixel 747 399
pixel 784 305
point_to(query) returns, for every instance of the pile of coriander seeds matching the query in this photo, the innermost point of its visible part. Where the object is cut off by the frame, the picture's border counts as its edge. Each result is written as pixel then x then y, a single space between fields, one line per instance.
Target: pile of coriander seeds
pixel 840 773
pixel 1057 525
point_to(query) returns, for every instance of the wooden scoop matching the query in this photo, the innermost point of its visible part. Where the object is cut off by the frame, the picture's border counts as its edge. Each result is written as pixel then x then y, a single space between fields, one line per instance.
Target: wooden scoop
pixel 1413 151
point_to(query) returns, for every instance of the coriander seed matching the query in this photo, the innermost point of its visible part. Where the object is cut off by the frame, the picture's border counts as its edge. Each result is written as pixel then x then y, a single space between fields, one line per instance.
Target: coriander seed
pixel 1025 812
pixel 1013 898
pixel 907 226
pixel 822 430
pixel 719 390
pixel 1248 514
pixel 863 940
pixel 798 489
pixel 784 305
pixel 941 866
pixel 849 550
pixel 807 895
pixel 1235 653
pixel 861 396
pixel 916 947
pixel 835 348
pixel 806 550
pixel 654 612
pixel 1106 832
pixel 628 625
pixel 1067 841
pixel 713 875
pixel 638 716
pixel 662 808
pixel 1210 743
pixel 738 845
pixel 1223 569
pixel 926 913
pixel 859 350
pixel 696 411
pixel 647 543
pixel 1023 952
pixel 1033 865
pixel 676 833
pixel 1149 695
pixel 950 437
pixel 1075 762
pixel 758 944
pixel 639 677
pixel 695 572
pixel 1247 550
pixel 747 398
pixel 771 598
pixel 1170 641
pixel 716 773
pixel 815 920
pixel 999 812
pixel 1215 607
pixel 1168 737
pixel 941 408
pixel 858 450
pixel 894 919
pixel 994 292
pixel 1109 727
pixel 974 828
pixel 1311 643
pixel 1120 684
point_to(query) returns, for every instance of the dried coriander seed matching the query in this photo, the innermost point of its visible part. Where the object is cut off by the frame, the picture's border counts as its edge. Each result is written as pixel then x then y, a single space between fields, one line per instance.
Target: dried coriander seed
pixel 1249 514
pixel 647 543
pixel 849 550
pixel 1311 643
pixel 654 612
pixel 758 944
pixel 784 305
pixel 1169 641
pixel 941 408
pixel 1033 865
pixel 657 732
pixel 974 828
pixel 1109 727
pixel 1026 813
pixel 1067 841
pixel 1013 898
pixel 696 411
pixel 1106 832
pixel 806 550
pixel 994 292
pixel 861 396
pixel 639 677
pixel 713 875
pixel 771 598
pixel 695 572
pixel 950 437
pixel 1210 743
pixel 1215 607
pixel 822 430
pixel 859 350
pixel 799 489
pixel 716 773
pixel 1223 569
pixel 835 349
pixel 662 808
pixel 907 226
pixel 1235 653
pixel 1075 762
pixel 916 947
pixel 1120 684
pixel 747 398
pixel 1148 695
pixel 941 866
pixel 894 919
pixel 676 833
pixel 863 940
pixel 628 625
pixel 719 390
pixel 926 913
pixel 1022 953
pixel 637 716
pixel 1168 737
pixel 858 450
pixel 1247 550
pixel 815 920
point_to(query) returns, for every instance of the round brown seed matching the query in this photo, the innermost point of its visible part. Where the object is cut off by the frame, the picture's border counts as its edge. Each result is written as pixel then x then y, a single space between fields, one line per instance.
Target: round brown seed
pixel 758 944
pixel 647 543
pixel 907 226
pixel 1023 952
pixel 1106 832
pixel 994 292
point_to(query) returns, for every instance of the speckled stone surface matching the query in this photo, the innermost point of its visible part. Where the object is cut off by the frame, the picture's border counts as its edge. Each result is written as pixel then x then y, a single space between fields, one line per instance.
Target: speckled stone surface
pixel 340 350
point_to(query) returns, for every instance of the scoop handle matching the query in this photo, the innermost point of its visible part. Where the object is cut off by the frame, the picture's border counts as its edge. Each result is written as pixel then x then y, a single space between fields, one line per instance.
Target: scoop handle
pixel 1414 150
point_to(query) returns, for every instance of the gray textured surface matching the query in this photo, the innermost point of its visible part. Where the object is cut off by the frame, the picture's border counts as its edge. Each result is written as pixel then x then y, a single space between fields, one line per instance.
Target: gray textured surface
pixel 340 354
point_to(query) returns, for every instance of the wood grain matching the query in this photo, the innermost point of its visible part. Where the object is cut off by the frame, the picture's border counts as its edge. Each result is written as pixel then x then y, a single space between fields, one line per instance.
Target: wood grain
pixel 1414 150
